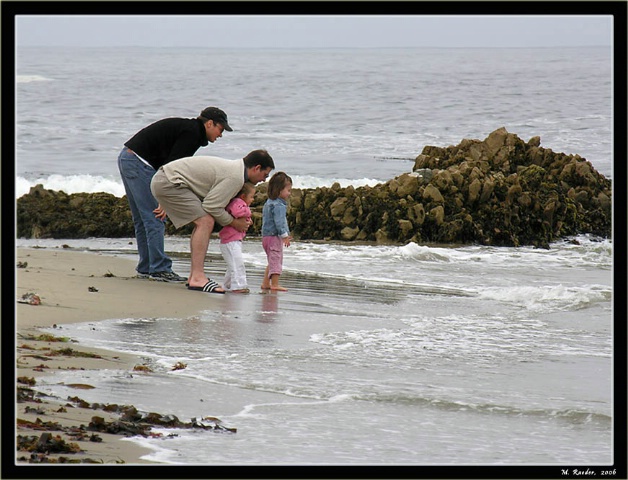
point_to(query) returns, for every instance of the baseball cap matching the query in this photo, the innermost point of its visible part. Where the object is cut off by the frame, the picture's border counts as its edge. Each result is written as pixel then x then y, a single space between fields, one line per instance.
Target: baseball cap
pixel 217 115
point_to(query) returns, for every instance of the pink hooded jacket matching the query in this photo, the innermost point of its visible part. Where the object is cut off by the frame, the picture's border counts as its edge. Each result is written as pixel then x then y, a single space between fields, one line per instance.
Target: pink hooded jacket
pixel 238 209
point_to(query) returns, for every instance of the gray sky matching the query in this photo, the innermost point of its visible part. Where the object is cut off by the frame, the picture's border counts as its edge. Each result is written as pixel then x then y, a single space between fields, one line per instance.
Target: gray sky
pixel 269 31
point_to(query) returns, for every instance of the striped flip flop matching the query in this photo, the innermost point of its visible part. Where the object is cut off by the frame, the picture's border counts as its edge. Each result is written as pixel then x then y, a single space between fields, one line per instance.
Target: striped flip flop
pixel 209 287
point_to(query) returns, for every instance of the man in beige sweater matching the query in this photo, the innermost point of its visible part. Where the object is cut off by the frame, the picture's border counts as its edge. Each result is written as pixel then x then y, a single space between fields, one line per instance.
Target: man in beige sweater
pixel 197 189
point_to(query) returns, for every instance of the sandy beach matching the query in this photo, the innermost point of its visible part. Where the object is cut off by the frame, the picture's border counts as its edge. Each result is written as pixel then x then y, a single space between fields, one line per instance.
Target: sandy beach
pixel 78 287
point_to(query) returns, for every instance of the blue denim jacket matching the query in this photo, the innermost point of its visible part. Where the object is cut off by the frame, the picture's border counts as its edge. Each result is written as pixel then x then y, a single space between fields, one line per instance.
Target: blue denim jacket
pixel 274 221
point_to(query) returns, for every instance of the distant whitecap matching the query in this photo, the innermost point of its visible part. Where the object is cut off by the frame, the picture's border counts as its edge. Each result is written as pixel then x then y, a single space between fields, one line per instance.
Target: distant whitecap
pixel 31 78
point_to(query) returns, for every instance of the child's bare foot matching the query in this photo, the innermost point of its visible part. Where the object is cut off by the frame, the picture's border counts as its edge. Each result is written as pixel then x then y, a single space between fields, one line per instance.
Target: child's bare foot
pixel 240 290
pixel 265 286
pixel 279 289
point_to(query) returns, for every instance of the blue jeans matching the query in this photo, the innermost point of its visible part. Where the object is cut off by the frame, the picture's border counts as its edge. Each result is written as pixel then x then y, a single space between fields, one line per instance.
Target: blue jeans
pixel 149 231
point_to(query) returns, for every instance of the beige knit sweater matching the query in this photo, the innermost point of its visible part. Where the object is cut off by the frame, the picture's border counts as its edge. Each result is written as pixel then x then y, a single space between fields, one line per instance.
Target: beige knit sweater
pixel 214 180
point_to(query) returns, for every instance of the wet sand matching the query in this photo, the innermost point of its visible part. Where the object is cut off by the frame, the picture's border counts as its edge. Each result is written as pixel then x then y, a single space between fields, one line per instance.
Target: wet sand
pixel 80 287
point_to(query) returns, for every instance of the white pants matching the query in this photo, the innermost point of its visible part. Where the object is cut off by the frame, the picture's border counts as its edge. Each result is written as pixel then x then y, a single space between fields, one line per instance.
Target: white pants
pixel 235 277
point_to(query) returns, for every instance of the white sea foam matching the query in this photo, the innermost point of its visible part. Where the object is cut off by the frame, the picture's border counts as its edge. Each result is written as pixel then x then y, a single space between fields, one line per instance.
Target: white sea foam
pixel 94 183
pixel 31 78
pixel 309 181
pixel 549 298
pixel 72 184
pixel 158 453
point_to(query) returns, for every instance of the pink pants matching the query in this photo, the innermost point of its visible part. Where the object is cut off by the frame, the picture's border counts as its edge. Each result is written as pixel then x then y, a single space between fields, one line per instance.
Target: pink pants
pixel 273 246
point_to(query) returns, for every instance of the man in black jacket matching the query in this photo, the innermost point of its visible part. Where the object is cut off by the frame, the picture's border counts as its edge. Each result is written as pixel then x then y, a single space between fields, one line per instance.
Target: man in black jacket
pixel 150 148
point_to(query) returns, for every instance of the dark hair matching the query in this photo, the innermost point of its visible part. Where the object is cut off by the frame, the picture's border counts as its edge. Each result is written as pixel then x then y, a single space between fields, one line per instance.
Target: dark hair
pixel 277 183
pixel 259 157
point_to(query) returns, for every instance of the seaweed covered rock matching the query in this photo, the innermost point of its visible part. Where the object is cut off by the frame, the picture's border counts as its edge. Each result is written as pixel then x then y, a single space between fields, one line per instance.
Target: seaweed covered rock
pixel 48 214
pixel 498 191
pixel 45 213
pixel 513 193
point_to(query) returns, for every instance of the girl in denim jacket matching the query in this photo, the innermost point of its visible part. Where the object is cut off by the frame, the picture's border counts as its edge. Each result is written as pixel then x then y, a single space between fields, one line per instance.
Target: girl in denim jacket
pixel 275 231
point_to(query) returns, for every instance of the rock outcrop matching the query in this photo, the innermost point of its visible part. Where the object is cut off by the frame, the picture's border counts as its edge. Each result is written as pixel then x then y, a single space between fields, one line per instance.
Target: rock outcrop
pixel 500 191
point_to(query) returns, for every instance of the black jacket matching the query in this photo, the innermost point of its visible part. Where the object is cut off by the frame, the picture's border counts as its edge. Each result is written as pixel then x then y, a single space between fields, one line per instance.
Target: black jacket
pixel 168 139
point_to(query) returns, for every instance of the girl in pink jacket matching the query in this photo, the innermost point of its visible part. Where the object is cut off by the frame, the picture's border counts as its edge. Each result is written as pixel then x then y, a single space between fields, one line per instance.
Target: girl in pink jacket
pixel 231 241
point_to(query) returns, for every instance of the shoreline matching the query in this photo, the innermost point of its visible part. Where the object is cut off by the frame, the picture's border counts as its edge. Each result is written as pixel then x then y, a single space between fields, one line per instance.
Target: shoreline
pixel 76 286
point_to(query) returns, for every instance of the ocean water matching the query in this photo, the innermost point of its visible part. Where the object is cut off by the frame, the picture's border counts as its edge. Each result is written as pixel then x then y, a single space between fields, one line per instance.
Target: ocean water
pixel 415 355
pixel 358 116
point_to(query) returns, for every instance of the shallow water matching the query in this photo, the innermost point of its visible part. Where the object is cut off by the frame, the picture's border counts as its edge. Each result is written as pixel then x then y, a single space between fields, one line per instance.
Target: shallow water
pixel 405 355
